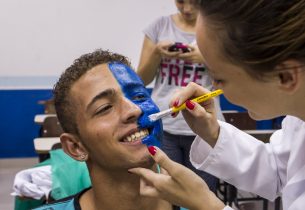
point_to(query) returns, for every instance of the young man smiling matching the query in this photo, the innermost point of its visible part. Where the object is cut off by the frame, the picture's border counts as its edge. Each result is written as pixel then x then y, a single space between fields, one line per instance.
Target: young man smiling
pixel 103 108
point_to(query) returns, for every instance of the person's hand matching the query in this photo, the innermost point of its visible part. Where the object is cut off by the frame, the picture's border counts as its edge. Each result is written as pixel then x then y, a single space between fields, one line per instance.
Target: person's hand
pixel 162 48
pixel 201 118
pixel 193 56
pixel 176 184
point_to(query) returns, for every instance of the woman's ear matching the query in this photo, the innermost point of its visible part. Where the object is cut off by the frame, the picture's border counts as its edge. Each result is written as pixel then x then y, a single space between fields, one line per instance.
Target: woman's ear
pixel 288 73
pixel 73 147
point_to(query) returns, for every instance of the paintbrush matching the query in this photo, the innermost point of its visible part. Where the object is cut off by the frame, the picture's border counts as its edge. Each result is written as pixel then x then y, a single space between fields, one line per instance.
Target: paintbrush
pixel 205 97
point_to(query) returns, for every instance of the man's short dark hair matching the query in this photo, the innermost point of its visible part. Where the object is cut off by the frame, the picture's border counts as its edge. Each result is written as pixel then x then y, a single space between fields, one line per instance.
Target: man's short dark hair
pixel 65 109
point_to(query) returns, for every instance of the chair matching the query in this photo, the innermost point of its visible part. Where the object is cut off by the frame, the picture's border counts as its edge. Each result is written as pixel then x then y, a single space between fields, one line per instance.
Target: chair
pixel 49 107
pixel 51 127
pixel 240 120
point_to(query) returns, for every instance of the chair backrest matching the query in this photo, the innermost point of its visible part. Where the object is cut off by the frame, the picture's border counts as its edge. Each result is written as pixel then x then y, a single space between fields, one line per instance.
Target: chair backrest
pixel 241 120
pixel 49 107
pixel 51 127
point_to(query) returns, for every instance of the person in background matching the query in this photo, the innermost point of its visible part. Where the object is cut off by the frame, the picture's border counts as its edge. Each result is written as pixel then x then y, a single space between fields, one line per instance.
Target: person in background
pixel 173 68
pixel 255 52
pixel 103 107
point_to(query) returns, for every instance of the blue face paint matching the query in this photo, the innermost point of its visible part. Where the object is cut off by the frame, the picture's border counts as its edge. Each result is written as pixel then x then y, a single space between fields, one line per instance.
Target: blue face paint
pixel 134 89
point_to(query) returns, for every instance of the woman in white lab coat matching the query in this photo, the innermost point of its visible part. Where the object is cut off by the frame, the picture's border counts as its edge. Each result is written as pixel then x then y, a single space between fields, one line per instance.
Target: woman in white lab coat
pixel 255 51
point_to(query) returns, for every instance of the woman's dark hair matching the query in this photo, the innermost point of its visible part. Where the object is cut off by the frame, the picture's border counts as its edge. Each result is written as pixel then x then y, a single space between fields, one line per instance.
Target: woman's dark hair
pixel 259 34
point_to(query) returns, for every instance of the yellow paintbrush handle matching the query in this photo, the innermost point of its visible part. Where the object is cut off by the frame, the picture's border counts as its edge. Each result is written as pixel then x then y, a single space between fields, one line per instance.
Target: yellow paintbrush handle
pixel 199 99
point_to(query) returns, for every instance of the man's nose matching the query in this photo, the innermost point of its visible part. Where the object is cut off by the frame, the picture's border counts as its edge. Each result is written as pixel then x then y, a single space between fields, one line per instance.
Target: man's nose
pixel 130 111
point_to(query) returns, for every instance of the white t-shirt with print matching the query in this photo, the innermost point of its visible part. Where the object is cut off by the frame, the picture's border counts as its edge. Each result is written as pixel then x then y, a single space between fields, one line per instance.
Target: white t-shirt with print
pixel 175 73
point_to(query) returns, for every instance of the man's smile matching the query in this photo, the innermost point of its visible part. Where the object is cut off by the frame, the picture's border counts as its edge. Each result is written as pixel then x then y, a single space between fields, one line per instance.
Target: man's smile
pixel 135 136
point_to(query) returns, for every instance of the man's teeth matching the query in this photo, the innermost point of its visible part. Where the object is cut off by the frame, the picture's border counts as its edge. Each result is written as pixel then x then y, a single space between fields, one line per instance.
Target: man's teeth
pixel 136 136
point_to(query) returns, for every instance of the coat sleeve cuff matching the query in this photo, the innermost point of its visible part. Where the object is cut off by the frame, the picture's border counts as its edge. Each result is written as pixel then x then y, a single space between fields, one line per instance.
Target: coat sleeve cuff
pixel 202 154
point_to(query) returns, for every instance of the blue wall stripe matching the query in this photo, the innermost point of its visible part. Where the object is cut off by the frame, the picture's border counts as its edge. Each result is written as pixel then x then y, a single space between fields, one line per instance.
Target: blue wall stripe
pixel 17 128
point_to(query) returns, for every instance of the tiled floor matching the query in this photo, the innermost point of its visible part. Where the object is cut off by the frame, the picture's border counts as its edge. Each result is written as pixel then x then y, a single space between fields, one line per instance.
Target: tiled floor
pixel 8 169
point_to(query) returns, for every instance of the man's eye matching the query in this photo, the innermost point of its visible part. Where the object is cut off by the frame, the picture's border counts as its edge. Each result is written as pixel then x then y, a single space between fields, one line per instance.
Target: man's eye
pixel 103 109
pixel 139 97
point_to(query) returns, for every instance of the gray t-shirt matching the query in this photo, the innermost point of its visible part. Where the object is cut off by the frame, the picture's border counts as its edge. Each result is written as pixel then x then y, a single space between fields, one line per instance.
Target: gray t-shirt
pixel 175 73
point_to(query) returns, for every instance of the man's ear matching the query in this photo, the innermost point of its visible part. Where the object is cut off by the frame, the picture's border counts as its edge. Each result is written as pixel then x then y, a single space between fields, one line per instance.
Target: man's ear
pixel 289 75
pixel 73 147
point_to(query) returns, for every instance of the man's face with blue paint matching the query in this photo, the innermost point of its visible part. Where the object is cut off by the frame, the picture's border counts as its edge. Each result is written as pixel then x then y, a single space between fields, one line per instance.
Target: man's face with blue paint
pixel 133 89
pixel 112 117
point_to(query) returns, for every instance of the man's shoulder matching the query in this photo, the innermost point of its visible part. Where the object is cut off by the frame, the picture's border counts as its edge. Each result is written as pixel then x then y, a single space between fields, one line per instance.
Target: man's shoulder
pixel 68 203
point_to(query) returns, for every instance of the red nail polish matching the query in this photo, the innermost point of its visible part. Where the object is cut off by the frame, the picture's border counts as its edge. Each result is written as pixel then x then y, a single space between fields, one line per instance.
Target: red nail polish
pixel 152 150
pixel 176 103
pixel 189 104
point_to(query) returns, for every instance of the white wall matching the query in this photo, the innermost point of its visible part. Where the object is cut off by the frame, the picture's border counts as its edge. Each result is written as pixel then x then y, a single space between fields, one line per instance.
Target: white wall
pixel 43 37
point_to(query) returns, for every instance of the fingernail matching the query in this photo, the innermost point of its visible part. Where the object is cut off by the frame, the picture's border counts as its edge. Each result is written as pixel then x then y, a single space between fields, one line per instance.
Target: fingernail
pixel 174 114
pixel 176 103
pixel 152 150
pixel 189 104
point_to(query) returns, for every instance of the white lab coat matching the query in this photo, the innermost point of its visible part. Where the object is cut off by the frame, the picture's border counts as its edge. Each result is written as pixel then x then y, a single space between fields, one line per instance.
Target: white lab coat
pixel 269 170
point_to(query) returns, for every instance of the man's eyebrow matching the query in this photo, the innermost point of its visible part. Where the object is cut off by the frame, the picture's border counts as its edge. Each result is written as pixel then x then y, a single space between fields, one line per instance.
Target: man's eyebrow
pixel 104 94
pixel 133 84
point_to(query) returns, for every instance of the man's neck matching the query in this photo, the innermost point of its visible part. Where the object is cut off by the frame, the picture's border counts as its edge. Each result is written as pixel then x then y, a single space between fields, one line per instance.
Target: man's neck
pixel 118 191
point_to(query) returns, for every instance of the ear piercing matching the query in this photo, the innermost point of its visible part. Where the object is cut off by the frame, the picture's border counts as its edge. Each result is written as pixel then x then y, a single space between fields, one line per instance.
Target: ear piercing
pixel 83 157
